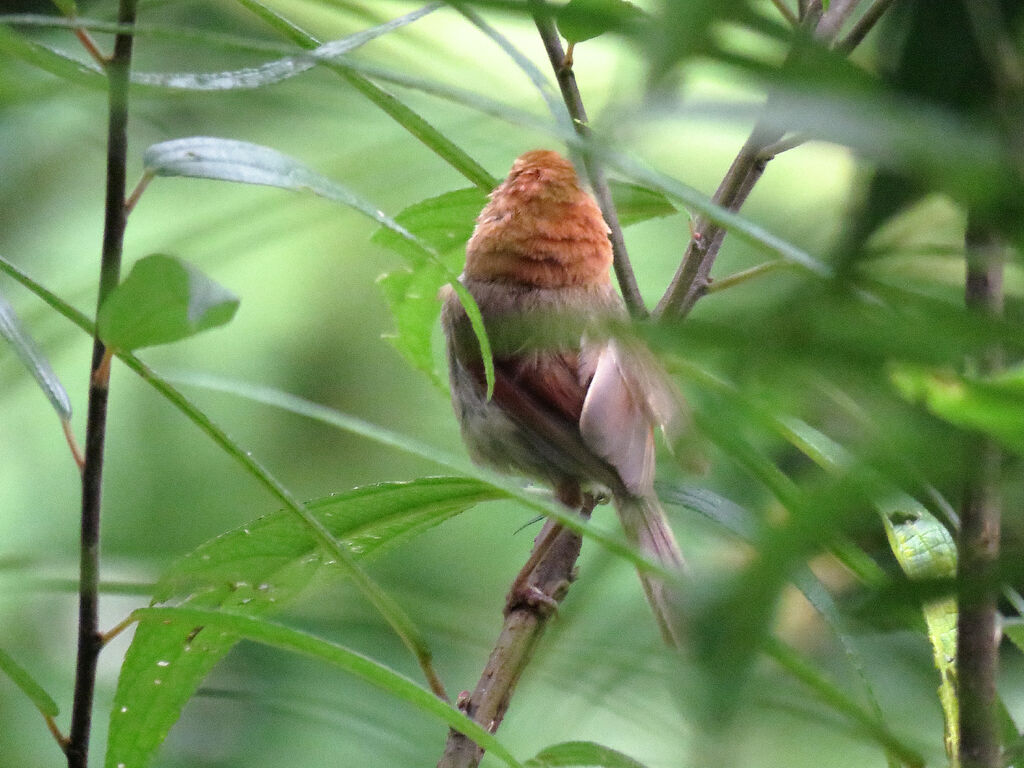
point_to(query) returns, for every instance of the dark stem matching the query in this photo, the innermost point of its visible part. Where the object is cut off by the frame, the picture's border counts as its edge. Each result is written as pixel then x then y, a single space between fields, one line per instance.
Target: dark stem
pixel 978 619
pixel 532 601
pixel 602 192
pixel 89 639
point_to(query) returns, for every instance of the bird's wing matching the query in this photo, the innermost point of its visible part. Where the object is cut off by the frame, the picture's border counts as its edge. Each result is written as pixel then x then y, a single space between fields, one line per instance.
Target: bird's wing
pixel 616 420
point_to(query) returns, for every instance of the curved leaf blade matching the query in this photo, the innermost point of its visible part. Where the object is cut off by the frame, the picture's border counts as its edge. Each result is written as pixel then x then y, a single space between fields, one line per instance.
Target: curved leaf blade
pixel 34 360
pixel 278 70
pixel 21 678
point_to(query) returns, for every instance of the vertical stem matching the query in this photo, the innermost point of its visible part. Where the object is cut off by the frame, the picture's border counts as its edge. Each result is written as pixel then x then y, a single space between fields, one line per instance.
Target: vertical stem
pixel 89 638
pixel 602 192
pixel 977 624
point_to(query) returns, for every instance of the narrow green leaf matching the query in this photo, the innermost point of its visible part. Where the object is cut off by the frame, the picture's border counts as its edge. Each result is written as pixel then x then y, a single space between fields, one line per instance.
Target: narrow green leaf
pixel 254 570
pixel 580 20
pixel 163 299
pixel 205 157
pixel 262 631
pixel 635 203
pixel 432 138
pixel 581 753
pixel 278 70
pixel 49 60
pixel 36 362
pixel 21 678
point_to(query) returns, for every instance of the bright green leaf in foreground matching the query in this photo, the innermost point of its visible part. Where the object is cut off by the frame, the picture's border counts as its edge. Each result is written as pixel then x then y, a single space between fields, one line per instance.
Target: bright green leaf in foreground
pixel 254 570
pixel 581 20
pixel 278 636
pixel 163 299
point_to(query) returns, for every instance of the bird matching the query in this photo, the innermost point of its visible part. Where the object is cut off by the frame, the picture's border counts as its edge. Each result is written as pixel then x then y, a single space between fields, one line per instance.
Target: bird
pixel 574 405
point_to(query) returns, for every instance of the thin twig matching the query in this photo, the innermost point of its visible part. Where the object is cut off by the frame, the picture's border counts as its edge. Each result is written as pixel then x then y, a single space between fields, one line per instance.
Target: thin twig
pixel 89 639
pixel 537 589
pixel 90 46
pixel 977 625
pixel 864 25
pixel 602 192
pixel 76 452
pixel 748 274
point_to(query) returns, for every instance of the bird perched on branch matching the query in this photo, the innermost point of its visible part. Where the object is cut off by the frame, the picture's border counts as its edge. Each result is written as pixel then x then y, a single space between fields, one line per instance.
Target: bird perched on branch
pixel 573 405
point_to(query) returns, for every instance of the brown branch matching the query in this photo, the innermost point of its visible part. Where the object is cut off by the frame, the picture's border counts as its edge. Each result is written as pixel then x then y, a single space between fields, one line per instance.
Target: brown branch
pixel 532 601
pixel 602 193
pixel 693 276
pixel 977 623
pixel 89 639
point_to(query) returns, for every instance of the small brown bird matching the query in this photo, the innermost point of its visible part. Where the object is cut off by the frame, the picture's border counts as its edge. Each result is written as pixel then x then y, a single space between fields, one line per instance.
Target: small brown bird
pixel 571 406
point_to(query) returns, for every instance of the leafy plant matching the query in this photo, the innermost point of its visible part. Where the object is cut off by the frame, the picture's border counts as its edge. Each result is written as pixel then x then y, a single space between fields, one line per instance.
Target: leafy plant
pixel 855 399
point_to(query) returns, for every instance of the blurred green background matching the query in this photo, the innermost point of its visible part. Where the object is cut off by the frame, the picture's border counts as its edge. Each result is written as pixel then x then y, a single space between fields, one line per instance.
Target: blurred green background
pixel 311 323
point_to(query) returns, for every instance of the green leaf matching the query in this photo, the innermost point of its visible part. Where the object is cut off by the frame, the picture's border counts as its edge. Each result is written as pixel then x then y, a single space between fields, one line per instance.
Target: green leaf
pixel 582 753
pixel 279 69
pixel 581 20
pixel 445 223
pixel 21 678
pixel 635 203
pixel 163 299
pixel 253 570
pixel 33 359
pixel 411 296
pixel 186 621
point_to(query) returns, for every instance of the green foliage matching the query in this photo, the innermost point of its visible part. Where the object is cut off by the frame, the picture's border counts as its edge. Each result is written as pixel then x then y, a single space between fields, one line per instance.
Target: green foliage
pixel 163 299
pixel 836 401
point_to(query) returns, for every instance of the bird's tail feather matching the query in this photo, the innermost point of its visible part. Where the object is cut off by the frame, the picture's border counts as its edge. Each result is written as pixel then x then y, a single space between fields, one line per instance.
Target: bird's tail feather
pixel 646 526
